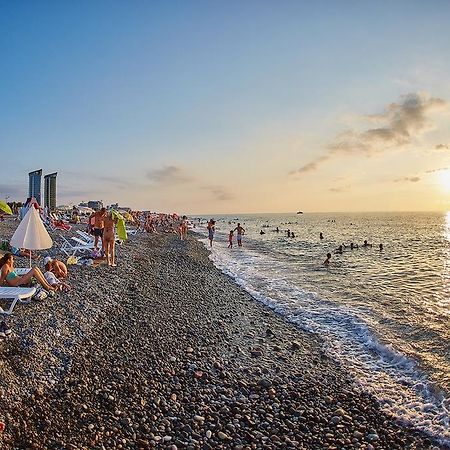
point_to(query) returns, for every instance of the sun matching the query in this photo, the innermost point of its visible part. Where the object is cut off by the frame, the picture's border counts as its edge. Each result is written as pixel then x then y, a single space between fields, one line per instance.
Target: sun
pixel 444 180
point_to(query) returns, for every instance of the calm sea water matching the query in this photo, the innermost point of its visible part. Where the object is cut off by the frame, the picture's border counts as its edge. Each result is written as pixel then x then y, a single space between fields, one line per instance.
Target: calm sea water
pixel 383 314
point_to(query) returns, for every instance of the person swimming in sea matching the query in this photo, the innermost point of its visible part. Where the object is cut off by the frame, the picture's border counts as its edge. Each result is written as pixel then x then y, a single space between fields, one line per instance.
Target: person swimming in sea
pixel 339 250
pixel 366 244
pixel 353 246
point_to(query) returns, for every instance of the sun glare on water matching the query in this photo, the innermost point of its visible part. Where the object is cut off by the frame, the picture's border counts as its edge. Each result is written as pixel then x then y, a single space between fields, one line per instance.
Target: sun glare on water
pixel 444 180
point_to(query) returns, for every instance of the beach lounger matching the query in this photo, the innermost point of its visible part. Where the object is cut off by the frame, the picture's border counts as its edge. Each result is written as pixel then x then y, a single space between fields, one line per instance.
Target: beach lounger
pixel 14 295
pixel 89 238
pixel 71 249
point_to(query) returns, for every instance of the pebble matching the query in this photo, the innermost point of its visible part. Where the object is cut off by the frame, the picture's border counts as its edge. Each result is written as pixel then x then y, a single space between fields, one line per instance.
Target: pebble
pixel 221 435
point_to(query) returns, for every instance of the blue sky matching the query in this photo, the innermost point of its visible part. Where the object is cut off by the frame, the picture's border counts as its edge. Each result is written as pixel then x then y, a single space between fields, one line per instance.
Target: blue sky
pixel 214 107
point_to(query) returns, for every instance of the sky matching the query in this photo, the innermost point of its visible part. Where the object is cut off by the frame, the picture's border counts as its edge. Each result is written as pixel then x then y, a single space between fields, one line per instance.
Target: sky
pixel 223 107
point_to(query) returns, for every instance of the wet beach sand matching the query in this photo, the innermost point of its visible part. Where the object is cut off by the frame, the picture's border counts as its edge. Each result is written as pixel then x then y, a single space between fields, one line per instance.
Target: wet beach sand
pixel 165 351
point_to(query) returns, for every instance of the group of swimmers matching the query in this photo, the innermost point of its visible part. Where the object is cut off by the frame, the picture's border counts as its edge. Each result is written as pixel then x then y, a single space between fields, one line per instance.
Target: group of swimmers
pixel 351 246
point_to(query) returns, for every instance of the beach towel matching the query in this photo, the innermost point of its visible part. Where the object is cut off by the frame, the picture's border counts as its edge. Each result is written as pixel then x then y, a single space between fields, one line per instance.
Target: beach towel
pixel 121 231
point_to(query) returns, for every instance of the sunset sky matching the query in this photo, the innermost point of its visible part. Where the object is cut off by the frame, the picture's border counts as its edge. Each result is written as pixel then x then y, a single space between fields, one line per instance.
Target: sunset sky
pixel 222 107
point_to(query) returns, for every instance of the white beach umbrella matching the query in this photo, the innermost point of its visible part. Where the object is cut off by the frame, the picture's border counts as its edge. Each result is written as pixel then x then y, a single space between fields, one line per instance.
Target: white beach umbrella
pixel 31 233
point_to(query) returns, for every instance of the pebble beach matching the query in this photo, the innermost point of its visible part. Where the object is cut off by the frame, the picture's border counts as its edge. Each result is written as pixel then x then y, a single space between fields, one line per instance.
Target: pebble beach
pixel 165 351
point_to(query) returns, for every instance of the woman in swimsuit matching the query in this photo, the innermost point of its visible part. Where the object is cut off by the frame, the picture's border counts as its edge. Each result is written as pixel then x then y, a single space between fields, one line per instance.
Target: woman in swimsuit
pixel 109 240
pixel 9 277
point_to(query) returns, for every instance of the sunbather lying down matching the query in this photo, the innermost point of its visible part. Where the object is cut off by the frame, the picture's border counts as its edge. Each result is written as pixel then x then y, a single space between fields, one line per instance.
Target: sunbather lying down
pixel 22 252
pixel 9 277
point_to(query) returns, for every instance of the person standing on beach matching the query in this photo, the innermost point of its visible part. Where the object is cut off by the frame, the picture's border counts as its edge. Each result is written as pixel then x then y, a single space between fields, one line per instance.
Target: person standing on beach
pixel 109 240
pixel 230 239
pixel 211 229
pixel 327 261
pixel 240 232
pixel 99 224
pixel 183 228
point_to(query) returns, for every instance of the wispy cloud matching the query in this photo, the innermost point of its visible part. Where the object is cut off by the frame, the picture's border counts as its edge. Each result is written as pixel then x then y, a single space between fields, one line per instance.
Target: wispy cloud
pixel 219 192
pixel 338 189
pixel 169 174
pixel 414 179
pixel 437 170
pixel 398 125
pixel 117 182
pixel 442 147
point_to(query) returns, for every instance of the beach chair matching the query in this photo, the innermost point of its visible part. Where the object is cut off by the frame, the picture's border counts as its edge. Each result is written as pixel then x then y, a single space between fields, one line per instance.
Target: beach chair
pixel 14 295
pixel 70 249
pixel 86 236
pixel 89 238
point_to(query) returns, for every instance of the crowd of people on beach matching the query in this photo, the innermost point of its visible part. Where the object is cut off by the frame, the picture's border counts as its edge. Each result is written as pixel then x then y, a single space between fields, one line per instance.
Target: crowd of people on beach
pixel 101 225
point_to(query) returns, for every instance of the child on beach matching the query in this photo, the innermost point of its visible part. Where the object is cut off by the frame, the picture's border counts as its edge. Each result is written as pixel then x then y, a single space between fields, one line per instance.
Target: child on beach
pixel 230 239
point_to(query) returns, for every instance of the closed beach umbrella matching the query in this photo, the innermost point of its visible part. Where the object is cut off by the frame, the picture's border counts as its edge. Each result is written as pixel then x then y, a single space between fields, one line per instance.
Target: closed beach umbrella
pixel 5 207
pixel 31 233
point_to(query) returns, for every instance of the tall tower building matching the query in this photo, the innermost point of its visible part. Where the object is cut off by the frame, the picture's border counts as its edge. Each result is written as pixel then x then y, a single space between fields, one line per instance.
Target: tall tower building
pixel 50 191
pixel 34 185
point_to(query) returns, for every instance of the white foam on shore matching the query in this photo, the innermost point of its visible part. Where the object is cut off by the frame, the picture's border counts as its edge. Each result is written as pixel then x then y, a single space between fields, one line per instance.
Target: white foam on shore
pixel 393 378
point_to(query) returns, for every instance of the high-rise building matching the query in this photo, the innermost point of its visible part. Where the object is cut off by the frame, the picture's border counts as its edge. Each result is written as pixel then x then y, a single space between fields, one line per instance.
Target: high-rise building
pixel 34 185
pixel 50 191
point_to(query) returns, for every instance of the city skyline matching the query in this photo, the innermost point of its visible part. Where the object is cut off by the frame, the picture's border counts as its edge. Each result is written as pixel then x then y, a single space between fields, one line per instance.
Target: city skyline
pixel 230 108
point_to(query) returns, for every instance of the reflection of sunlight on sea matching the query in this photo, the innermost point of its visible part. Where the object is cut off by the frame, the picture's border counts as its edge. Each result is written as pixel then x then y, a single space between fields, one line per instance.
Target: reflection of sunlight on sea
pixel 445 300
pixel 383 314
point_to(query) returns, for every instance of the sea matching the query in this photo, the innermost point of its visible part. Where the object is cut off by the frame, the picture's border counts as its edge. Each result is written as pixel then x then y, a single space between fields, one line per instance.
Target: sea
pixel 384 314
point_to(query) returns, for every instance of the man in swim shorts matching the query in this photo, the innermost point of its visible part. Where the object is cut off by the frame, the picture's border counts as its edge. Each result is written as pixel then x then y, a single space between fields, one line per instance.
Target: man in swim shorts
pixel 99 224
pixel 240 231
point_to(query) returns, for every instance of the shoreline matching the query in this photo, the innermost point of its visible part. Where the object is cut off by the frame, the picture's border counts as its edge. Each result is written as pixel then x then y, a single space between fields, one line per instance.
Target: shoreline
pixel 166 351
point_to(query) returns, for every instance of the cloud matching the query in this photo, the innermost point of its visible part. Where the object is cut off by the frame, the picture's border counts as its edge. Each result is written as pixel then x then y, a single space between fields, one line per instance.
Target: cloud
pixel 414 179
pixel 219 193
pixel 437 170
pixel 312 166
pixel 339 189
pixel 398 125
pixel 169 174
pixel 117 182
pixel 442 147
